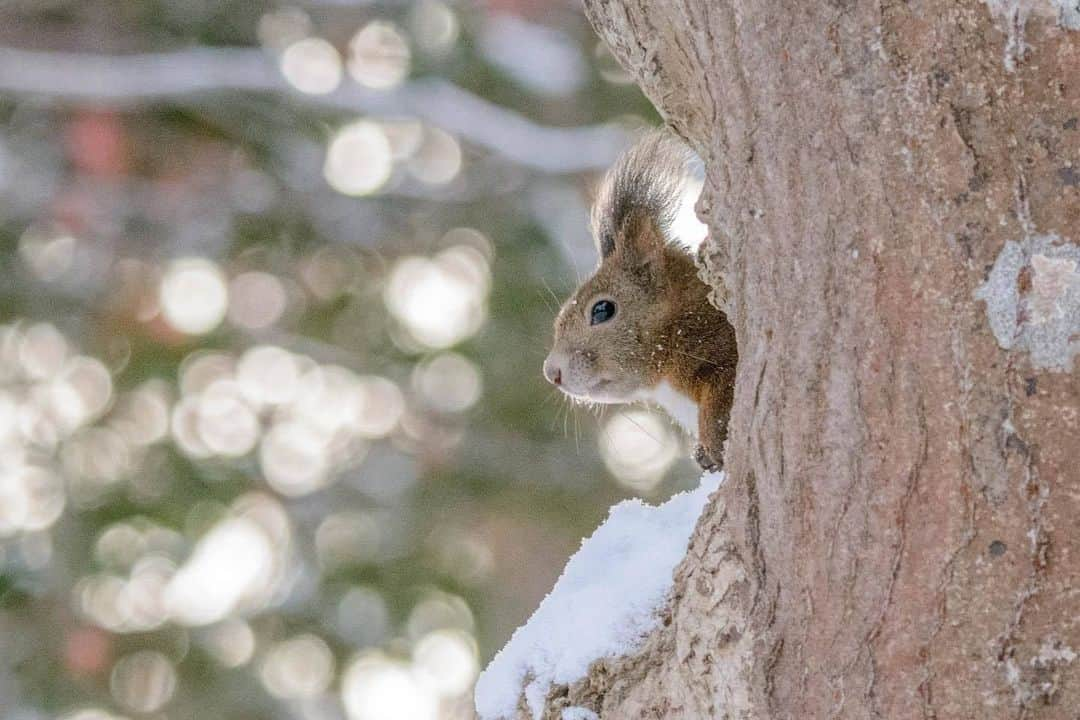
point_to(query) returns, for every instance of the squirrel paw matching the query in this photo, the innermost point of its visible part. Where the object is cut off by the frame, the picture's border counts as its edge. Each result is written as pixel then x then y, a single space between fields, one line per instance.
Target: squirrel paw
pixel 705 459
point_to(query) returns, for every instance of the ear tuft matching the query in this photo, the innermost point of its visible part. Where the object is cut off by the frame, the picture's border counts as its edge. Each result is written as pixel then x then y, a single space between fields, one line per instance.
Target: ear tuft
pixel 605 244
pixel 643 187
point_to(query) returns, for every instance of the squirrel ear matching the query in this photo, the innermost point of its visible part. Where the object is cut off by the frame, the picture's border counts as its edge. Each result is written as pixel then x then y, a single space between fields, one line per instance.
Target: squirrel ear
pixel 638 197
pixel 641 241
pixel 638 239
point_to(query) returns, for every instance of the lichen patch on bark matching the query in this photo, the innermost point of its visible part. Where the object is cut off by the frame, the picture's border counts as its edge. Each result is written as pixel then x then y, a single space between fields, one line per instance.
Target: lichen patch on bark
pixel 1039 679
pixel 1013 16
pixel 1033 300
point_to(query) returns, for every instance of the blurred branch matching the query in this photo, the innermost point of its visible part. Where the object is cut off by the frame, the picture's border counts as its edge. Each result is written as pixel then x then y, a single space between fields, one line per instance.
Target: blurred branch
pixel 146 78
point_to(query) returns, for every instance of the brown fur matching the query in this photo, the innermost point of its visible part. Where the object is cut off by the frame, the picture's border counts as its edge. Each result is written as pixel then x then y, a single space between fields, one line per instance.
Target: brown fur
pixel 664 327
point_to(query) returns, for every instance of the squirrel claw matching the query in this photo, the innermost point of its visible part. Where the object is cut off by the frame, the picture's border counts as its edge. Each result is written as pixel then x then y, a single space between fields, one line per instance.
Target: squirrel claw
pixel 705 459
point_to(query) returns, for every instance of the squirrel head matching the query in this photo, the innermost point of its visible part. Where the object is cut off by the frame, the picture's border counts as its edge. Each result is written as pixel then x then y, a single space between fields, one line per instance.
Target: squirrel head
pixel 610 335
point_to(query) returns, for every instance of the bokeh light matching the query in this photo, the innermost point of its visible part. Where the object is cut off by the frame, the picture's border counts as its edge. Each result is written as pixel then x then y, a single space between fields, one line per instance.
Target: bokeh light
pixel 435 26
pixel 200 369
pixel 184 424
pixel 42 351
pixel 233 567
pixel 348 538
pixel 439 610
pixel 194 296
pixel 376 687
pixel 405 137
pixel 381 407
pixel 95 458
pixel 300 667
pixel 143 681
pixel 445 662
pixel 440 301
pixel 226 424
pixel 91 714
pixel 637 447
pixel 268 375
pixel 257 300
pixel 437 159
pixel 312 65
pixel 379 55
pixel 81 392
pixel 448 382
pixel 358 160
pixel 329 271
pixel 231 642
pixel 293 456
pixel 31 498
pixel 49 255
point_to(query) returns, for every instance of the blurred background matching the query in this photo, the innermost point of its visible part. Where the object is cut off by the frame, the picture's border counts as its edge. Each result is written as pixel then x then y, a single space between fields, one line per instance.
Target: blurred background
pixel 276 281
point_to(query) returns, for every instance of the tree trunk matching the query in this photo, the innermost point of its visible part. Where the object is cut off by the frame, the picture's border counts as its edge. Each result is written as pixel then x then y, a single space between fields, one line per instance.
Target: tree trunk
pixel 893 193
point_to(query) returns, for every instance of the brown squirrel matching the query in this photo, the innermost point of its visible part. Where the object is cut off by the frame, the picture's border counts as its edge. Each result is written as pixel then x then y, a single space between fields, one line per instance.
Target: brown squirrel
pixel 641 328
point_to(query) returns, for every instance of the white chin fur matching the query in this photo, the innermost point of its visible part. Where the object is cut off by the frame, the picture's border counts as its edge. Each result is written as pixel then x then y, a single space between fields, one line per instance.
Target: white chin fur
pixel 678 405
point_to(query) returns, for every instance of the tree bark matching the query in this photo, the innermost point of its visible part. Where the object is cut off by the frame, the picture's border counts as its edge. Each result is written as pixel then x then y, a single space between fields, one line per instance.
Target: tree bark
pixel 893 194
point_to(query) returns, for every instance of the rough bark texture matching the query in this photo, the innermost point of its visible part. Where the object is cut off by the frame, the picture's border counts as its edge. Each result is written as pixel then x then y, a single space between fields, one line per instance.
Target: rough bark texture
pixel 893 191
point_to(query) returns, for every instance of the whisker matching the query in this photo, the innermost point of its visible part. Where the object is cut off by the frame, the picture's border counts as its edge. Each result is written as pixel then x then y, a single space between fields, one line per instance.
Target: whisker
pixel 543 299
pixel 550 292
pixel 555 417
pixel 577 434
pixel 532 337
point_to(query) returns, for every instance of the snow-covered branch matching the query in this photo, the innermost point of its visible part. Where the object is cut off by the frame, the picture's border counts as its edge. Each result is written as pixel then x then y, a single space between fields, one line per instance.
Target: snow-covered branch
pixel 603 607
pixel 180 75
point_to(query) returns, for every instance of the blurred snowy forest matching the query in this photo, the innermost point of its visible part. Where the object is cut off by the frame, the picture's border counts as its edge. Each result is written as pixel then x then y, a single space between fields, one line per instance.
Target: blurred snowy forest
pixel 276 281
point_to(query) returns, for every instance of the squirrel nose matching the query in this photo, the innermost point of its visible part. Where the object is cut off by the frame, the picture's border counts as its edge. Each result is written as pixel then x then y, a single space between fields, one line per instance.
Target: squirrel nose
pixel 552 371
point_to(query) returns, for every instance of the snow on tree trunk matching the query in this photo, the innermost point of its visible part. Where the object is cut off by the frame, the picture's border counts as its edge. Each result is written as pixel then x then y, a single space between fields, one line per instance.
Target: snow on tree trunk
pixel 893 194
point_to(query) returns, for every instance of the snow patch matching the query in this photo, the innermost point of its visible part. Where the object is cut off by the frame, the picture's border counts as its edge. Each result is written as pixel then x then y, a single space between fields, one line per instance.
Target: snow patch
pixel 1033 300
pixel 603 605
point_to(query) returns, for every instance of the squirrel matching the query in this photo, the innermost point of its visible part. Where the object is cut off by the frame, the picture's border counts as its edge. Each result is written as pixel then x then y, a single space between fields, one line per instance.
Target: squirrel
pixel 641 328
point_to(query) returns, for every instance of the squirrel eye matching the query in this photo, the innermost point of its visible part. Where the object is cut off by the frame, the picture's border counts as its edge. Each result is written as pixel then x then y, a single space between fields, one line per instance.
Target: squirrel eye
pixel 602 311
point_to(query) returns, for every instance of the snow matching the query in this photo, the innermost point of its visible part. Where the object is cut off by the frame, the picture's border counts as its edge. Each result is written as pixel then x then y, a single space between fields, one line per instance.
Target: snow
pixel 603 605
